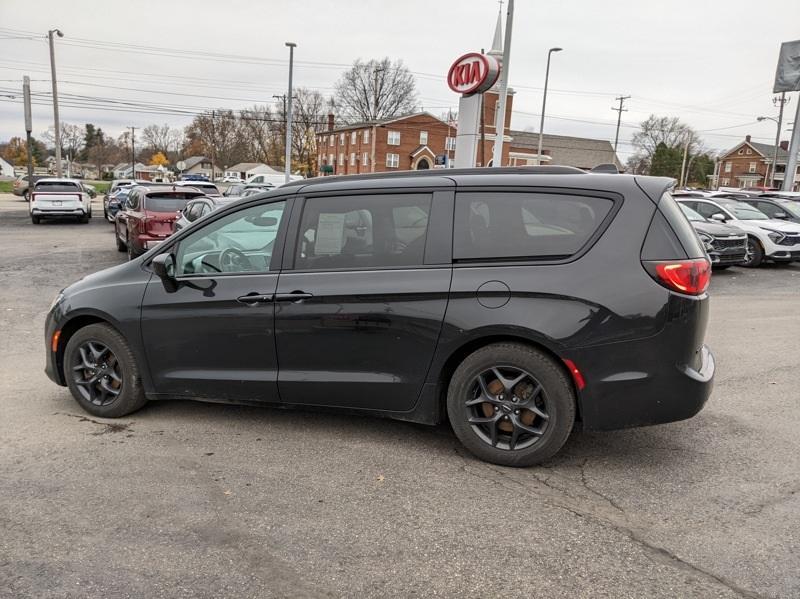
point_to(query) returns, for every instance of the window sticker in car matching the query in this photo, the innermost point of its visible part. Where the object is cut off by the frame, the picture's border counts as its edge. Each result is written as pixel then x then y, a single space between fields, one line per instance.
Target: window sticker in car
pixel 330 233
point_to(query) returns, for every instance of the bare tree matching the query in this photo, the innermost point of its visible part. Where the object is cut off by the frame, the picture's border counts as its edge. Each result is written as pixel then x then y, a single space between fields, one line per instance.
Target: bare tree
pixel 72 139
pixel 261 130
pixel 220 134
pixel 374 90
pixel 162 139
pixel 667 130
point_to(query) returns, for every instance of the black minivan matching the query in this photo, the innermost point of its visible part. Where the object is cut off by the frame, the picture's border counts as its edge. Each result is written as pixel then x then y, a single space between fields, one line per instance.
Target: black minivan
pixel 516 302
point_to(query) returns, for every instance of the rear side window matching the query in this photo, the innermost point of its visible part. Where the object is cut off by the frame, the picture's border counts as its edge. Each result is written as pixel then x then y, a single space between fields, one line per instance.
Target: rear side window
pixel 57 186
pixel 509 225
pixel 681 226
pixel 369 231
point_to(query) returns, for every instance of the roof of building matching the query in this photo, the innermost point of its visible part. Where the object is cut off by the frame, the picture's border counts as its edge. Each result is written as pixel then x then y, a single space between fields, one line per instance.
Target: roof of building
pixel 766 150
pixel 379 122
pixel 582 152
pixel 248 166
pixel 194 161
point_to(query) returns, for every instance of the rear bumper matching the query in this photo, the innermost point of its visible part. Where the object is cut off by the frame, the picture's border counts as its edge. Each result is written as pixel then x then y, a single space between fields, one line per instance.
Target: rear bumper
pixel 634 398
pixel 58 212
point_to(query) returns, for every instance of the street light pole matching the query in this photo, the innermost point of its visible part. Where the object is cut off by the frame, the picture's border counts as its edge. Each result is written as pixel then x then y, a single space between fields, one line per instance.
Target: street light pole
pixel 777 143
pixel 544 103
pixel 55 97
pixel 288 159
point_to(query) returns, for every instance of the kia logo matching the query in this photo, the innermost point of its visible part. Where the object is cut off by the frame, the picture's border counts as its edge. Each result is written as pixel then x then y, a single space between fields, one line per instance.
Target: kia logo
pixel 473 73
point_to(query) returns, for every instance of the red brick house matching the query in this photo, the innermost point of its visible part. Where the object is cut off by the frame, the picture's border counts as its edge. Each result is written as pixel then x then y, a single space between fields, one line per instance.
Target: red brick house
pixel 749 164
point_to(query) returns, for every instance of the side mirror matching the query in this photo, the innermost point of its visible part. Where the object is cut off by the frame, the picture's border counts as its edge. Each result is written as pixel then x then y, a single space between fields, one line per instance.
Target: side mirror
pixel 781 215
pixel 718 217
pixel 164 266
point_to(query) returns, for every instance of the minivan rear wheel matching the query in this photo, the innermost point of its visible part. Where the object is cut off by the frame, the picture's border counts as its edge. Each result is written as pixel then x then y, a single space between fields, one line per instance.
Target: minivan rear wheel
pixel 511 404
pixel 101 372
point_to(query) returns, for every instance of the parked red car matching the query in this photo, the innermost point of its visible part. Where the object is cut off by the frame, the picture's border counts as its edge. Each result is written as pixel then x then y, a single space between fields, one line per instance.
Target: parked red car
pixel 147 217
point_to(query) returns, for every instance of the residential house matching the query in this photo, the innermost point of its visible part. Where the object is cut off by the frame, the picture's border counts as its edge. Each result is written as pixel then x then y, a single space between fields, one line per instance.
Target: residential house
pixel 200 165
pixel 6 168
pixel 562 150
pixel 749 164
pixel 143 172
pixel 245 170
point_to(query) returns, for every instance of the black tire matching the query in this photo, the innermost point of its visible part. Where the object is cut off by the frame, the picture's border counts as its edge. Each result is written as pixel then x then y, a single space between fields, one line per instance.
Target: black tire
pixel 755 253
pixel 132 255
pixel 557 399
pixel 84 220
pixel 35 219
pixel 130 394
pixel 120 245
pixel 26 195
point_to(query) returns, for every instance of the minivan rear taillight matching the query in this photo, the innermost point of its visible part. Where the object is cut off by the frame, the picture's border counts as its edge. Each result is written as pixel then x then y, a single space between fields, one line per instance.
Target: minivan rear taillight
pixel 684 276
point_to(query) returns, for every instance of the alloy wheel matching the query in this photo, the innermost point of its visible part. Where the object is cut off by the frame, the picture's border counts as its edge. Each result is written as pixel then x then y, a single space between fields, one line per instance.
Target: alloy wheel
pixel 749 251
pixel 97 373
pixel 507 408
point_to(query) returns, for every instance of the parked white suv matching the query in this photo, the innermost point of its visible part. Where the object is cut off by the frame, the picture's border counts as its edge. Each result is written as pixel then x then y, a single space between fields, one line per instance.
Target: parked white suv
pixel 53 197
pixel 276 180
pixel 767 239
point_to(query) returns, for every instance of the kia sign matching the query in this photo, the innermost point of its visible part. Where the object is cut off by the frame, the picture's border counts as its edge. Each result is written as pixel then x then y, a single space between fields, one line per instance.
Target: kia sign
pixel 473 73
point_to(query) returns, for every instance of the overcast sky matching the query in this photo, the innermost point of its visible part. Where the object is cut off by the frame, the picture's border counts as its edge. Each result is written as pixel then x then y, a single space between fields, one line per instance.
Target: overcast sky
pixel 710 63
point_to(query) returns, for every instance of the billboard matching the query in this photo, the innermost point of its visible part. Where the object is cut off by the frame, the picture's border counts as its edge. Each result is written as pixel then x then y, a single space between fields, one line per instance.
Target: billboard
pixel 787 76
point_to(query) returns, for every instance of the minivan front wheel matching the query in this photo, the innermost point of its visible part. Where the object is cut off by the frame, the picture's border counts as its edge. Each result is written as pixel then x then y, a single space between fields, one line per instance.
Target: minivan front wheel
pixel 511 404
pixel 101 372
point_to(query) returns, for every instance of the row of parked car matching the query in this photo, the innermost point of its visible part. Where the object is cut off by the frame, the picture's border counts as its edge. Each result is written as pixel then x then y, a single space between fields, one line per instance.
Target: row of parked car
pixel 745 228
pixel 145 213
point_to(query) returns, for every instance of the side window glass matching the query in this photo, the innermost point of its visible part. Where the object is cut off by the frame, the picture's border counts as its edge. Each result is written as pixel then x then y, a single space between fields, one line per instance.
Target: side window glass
pixel 525 225
pixel 767 208
pixel 193 211
pixel 239 242
pixel 369 231
pixel 707 209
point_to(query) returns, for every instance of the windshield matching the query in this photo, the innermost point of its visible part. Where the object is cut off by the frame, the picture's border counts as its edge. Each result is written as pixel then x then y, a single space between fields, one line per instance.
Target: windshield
pixel 168 203
pixel 56 186
pixel 742 210
pixel 793 208
pixel 691 214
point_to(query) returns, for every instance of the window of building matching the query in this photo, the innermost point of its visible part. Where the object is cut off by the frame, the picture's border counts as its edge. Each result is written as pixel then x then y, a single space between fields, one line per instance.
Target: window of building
pixel 341 139
pixel 741 151
pixel 352 158
pixel 365 159
pixel 524 225
pixel 726 182
pixel 341 158
pixel 330 159
pixel 367 231
pixel 392 160
pixel 393 138
pixel 330 140
pixel 752 167
pixel 749 151
pixel 728 166
pixel 366 136
pixel 353 137
pixel 423 138
pixel 450 143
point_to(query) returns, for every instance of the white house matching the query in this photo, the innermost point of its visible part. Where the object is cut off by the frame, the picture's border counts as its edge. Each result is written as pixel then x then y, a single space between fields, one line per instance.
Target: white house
pixel 6 169
pixel 245 170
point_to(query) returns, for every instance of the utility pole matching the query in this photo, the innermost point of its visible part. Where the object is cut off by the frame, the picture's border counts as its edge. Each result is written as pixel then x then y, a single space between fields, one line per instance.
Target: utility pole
pixel 681 182
pixel 374 115
pixel 794 148
pixel 500 124
pixel 213 142
pixel 288 166
pixel 782 101
pixel 133 152
pixel 620 110
pixel 55 97
pixel 26 95
pixel 283 98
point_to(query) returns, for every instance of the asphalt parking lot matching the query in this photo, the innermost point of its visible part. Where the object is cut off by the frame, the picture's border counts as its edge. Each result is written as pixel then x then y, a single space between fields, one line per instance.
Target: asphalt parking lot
pixel 198 500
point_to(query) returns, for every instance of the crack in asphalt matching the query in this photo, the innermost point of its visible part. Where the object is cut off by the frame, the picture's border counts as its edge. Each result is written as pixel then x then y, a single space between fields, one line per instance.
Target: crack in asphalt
pixel 612 517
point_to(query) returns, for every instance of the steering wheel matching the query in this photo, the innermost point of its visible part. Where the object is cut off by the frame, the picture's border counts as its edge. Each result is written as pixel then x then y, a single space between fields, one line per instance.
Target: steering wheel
pixel 234 260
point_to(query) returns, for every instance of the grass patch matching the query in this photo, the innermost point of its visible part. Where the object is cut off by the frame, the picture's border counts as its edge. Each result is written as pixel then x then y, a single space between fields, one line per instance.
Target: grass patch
pixel 6 186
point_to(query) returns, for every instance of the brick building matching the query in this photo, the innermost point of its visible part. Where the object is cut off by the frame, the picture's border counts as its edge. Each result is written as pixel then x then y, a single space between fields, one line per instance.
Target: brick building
pixel 413 141
pixel 749 164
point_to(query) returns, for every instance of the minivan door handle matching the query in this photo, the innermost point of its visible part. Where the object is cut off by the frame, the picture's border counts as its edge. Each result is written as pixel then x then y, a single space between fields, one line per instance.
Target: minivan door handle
pixel 292 297
pixel 253 298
